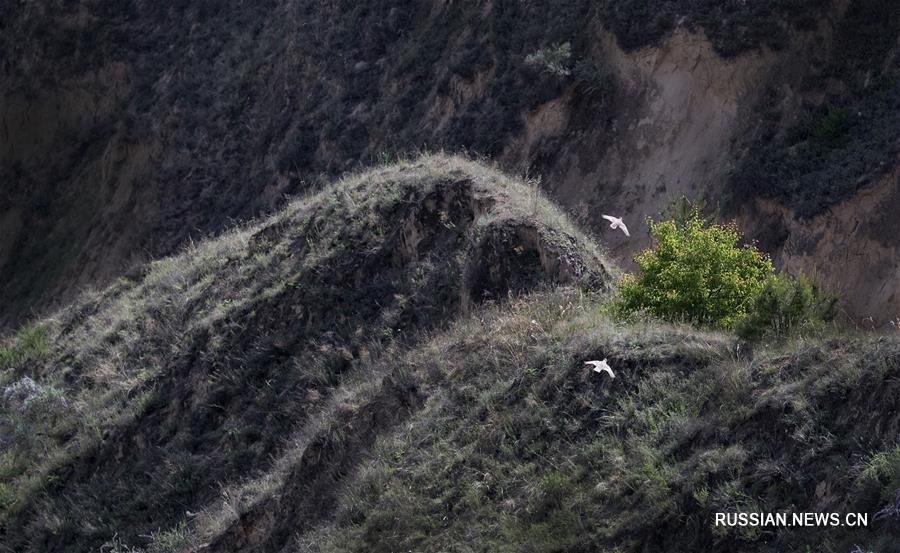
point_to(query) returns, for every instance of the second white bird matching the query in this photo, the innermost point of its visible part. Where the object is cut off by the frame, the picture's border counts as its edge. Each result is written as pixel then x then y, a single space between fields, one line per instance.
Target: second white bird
pixel 616 223
pixel 601 367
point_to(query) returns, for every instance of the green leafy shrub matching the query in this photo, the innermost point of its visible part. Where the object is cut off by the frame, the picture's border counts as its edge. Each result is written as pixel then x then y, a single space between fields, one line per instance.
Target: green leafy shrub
pixel 786 304
pixel 696 273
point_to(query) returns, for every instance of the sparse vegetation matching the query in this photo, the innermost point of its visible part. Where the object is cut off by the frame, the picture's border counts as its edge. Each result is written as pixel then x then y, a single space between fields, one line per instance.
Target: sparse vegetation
pixel 821 153
pixel 116 545
pixel 733 27
pixel 833 126
pixel 556 60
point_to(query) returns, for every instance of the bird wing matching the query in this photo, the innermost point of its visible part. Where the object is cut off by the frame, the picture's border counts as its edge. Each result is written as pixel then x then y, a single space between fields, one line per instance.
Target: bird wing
pixel 604 369
pixel 601 367
pixel 624 229
pixel 612 219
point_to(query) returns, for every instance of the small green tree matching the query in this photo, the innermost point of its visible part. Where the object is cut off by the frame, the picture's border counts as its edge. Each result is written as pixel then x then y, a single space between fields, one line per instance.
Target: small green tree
pixel 697 273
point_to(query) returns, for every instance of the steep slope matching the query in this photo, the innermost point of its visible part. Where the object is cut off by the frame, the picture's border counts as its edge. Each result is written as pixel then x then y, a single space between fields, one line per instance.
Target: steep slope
pixel 195 370
pixel 342 376
pixel 129 127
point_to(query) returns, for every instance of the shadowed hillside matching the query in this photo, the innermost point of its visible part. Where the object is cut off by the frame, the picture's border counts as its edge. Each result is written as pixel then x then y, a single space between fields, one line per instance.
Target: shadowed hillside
pixel 395 363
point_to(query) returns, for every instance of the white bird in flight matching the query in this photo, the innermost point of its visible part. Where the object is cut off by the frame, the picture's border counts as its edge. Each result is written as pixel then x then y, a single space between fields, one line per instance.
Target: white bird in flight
pixel 601 367
pixel 616 223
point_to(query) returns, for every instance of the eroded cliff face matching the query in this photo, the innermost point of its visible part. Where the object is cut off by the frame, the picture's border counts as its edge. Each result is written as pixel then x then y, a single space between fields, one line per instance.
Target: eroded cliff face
pixel 680 110
pixel 129 128
pixel 853 247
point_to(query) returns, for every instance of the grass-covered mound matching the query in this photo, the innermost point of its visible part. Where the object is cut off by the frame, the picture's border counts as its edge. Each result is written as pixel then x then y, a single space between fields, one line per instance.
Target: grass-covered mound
pixel 137 403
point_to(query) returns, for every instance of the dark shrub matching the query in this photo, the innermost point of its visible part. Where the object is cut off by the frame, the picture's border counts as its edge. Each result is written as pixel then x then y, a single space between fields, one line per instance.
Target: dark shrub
pixel 787 304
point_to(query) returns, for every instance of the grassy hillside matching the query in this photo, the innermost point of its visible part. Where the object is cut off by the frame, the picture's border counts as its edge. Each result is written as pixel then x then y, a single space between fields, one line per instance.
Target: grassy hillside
pixel 396 364
pixel 135 404
pixel 518 447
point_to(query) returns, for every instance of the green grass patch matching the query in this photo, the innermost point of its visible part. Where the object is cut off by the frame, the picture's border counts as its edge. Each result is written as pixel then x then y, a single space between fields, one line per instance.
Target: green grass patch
pixel 30 343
